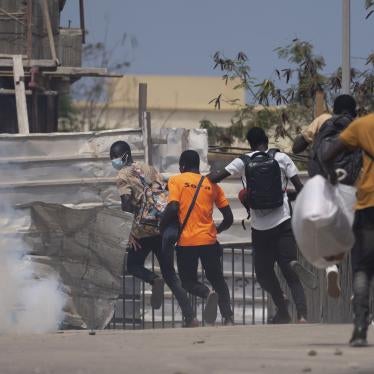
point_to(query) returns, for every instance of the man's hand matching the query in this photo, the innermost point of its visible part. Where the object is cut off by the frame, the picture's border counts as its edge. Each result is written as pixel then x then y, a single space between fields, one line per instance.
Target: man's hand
pixel 133 243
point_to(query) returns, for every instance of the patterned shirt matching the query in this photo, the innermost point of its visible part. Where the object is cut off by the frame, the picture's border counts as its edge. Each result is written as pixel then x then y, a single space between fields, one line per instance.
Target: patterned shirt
pixel 130 182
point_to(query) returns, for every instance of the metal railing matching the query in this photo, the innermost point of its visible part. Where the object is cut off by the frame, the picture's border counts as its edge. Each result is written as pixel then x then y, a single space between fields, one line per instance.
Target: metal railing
pixel 248 300
pixel 237 151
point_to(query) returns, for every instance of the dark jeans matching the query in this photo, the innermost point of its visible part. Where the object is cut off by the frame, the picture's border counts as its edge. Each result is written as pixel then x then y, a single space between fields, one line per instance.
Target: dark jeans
pixel 278 245
pixel 209 255
pixel 363 263
pixel 165 257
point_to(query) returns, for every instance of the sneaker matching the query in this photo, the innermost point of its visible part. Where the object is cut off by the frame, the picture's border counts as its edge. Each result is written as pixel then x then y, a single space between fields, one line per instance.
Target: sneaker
pixel 302 320
pixel 210 311
pixel 157 293
pixel 191 323
pixel 359 337
pixel 306 276
pixel 279 318
pixel 333 282
pixel 229 321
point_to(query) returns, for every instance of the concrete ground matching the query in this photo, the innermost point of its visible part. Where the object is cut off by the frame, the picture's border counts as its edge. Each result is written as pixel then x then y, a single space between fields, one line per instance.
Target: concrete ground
pixel 284 349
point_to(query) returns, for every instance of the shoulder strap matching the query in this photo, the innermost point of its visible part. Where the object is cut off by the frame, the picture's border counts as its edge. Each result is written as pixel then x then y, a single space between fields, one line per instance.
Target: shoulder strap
pixel 245 158
pixel 191 206
pixel 272 152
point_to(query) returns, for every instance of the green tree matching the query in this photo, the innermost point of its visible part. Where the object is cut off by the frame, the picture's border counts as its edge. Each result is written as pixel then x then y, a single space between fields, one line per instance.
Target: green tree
pixel 287 97
pixel 369 5
pixel 93 93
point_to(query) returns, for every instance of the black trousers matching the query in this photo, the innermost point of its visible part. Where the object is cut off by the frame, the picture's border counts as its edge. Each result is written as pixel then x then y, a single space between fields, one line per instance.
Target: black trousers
pixel 209 255
pixel 363 263
pixel 165 257
pixel 278 245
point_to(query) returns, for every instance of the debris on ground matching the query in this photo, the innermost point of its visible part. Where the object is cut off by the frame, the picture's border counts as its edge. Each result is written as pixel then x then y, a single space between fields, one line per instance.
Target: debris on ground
pixel 312 352
pixel 199 342
pixel 338 352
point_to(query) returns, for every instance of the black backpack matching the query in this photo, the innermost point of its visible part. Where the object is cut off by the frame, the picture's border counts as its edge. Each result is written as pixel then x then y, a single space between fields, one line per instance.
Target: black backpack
pixel 263 179
pixel 350 161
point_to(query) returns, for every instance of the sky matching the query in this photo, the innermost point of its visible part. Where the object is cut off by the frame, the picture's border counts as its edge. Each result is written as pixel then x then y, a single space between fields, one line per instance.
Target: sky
pixel 179 37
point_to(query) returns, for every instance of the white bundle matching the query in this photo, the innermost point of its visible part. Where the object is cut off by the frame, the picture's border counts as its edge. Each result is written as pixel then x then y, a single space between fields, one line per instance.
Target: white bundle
pixel 322 220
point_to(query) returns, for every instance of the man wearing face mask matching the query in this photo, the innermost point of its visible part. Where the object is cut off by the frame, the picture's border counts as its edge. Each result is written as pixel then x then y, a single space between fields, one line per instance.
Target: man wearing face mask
pixel 133 180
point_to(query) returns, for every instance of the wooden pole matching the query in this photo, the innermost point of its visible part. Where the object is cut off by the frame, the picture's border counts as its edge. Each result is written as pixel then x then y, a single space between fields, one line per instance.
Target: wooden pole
pixel 142 106
pixel 11 16
pixel 47 21
pixel 148 139
pixel 320 104
pixel 19 86
pixel 29 29
pixel 346 48
pixel 82 20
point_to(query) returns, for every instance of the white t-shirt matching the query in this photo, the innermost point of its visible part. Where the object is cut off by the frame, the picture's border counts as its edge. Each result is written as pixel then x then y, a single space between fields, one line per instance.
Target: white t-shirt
pixel 268 218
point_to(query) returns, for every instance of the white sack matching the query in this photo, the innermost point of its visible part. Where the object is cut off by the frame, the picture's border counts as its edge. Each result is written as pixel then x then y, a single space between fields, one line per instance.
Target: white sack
pixel 322 220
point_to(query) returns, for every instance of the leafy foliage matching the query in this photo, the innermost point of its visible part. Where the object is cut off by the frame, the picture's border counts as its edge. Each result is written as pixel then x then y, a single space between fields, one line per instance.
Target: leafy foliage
pixel 93 93
pixel 286 99
pixel 369 5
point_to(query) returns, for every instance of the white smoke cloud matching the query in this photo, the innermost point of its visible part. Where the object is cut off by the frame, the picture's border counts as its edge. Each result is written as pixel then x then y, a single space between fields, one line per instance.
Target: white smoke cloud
pixel 29 302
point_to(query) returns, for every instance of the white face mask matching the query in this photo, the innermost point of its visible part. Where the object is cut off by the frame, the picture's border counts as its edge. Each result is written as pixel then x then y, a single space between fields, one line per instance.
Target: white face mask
pixel 118 163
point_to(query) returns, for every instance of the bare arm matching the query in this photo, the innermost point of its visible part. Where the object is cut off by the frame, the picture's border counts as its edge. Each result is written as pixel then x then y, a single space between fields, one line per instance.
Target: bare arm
pixel 336 147
pixel 216 177
pixel 297 183
pixel 299 145
pixel 170 215
pixel 228 219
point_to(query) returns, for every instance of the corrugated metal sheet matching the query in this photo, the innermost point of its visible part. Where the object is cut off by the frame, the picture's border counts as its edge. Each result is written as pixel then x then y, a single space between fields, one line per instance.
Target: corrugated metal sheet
pixel 62 168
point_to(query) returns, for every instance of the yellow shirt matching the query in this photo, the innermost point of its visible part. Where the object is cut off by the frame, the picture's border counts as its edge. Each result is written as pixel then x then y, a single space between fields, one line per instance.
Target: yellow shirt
pixel 311 131
pixel 360 134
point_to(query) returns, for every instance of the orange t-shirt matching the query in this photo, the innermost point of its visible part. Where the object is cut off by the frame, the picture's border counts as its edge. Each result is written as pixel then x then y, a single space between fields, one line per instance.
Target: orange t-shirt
pixel 200 228
pixel 360 134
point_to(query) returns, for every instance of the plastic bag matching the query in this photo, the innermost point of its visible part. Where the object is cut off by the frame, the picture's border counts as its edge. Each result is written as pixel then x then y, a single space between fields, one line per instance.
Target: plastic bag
pixel 322 220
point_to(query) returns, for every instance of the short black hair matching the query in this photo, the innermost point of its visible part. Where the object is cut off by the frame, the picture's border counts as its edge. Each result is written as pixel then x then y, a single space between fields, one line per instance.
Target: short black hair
pixel 345 104
pixel 119 149
pixel 256 136
pixel 189 159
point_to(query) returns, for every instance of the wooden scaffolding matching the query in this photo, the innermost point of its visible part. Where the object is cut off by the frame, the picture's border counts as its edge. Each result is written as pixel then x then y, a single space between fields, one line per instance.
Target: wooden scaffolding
pixel 39 60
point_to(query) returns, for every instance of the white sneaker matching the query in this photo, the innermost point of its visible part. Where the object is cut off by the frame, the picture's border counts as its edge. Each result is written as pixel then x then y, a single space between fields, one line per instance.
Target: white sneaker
pixel 333 281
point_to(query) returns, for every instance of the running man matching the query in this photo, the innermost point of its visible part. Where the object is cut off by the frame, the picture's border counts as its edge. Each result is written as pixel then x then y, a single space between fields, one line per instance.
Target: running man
pixel 272 235
pixel 322 130
pixel 360 135
pixel 144 238
pixel 198 240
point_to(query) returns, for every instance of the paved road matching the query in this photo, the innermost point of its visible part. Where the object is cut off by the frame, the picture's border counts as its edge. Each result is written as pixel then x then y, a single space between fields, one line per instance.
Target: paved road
pixel 283 349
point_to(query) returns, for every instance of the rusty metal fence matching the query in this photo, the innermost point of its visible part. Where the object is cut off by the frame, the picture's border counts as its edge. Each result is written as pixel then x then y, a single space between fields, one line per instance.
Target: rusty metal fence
pixel 249 302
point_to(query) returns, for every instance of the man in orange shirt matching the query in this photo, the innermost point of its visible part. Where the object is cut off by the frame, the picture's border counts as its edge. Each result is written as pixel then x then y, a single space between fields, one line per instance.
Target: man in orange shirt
pixel 360 135
pixel 198 240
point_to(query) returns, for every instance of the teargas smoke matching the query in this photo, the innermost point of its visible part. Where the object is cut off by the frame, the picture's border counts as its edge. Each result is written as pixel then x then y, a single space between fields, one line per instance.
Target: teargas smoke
pixel 29 303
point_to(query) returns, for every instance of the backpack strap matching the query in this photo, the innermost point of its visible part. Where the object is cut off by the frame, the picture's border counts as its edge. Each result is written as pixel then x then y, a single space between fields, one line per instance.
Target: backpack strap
pixel 245 158
pixel 272 152
pixel 191 207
